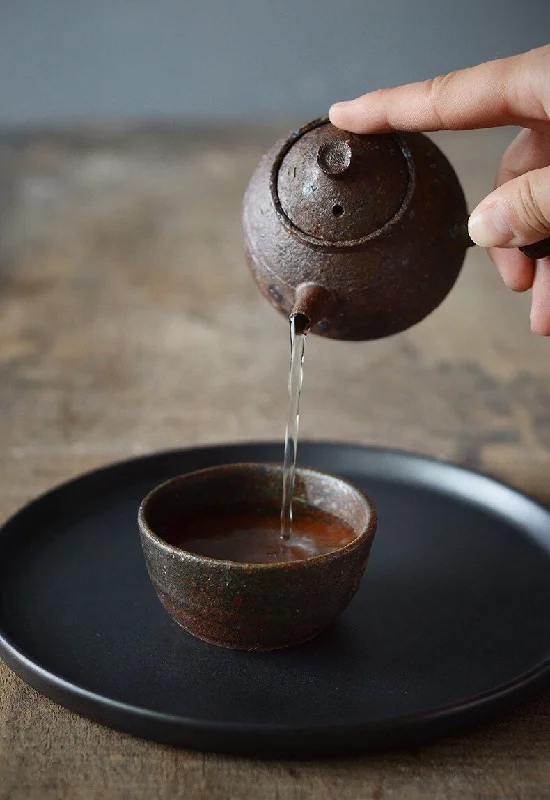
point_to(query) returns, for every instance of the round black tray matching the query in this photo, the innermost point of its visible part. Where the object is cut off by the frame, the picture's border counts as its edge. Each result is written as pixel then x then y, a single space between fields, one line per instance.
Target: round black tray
pixel 451 623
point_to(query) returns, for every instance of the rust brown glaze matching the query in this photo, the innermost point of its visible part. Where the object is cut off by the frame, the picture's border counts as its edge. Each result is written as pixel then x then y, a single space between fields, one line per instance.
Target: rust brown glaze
pixel 254 606
pixel 378 222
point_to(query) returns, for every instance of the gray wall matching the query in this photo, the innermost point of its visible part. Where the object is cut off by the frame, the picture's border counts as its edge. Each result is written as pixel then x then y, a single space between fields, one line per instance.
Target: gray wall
pixel 72 58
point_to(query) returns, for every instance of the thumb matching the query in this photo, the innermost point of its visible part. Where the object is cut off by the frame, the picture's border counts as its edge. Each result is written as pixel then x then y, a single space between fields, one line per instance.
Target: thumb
pixel 516 214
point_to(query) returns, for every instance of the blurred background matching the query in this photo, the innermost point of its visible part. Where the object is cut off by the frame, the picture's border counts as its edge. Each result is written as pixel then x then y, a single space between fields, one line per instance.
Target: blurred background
pixel 128 319
pixel 228 58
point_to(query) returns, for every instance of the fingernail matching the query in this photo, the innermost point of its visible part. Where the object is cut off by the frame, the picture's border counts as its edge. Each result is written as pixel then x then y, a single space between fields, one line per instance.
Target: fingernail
pixel 488 227
pixel 339 106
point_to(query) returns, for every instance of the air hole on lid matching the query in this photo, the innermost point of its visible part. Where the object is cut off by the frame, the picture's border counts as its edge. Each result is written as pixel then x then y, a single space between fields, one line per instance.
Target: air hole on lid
pixel 337 210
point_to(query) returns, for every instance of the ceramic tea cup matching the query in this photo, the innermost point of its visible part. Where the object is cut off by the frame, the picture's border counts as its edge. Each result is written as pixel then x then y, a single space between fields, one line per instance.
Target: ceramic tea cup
pixel 244 605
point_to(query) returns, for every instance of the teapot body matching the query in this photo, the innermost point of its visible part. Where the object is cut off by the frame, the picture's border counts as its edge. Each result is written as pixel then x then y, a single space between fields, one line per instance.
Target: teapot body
pixel 365 235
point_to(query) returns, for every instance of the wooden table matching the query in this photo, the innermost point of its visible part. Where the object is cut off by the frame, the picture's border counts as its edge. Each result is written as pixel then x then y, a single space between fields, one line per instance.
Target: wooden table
pixel 129 324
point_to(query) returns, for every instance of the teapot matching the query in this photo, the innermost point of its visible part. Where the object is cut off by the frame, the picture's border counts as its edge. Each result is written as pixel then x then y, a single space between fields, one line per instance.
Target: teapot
pixel 363 235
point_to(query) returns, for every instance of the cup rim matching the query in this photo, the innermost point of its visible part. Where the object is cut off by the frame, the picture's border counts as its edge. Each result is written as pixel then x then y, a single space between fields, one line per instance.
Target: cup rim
pixel 366 534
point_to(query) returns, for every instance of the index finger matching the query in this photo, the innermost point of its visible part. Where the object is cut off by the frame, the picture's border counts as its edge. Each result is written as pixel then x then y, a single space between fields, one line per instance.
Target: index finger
pixel 509 91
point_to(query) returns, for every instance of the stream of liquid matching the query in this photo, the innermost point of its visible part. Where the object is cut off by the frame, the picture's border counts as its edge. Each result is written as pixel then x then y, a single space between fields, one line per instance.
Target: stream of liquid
pixel 258 535
pixel 298 331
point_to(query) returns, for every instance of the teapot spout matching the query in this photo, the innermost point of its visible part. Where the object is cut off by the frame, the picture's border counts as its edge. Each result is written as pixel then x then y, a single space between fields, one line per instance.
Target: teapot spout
pixel 313 303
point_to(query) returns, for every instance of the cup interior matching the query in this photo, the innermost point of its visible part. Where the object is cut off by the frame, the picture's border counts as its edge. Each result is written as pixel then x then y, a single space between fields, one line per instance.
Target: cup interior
pixel 253 485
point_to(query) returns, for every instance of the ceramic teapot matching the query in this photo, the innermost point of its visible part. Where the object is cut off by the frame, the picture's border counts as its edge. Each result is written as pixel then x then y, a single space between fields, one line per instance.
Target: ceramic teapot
pixel 364 235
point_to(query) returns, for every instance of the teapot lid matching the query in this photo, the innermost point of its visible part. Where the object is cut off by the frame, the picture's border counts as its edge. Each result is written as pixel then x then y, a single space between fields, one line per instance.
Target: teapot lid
pixel 338 189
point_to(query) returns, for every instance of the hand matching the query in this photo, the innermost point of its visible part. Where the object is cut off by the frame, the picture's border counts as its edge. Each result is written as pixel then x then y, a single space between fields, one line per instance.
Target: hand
pixel 510 91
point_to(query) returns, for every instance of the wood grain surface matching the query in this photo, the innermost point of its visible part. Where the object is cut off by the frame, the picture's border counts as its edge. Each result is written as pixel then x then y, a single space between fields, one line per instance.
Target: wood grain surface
pixel 129 324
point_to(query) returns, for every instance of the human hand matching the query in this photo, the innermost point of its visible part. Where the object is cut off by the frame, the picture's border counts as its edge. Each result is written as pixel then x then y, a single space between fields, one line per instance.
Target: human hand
pixel 510 91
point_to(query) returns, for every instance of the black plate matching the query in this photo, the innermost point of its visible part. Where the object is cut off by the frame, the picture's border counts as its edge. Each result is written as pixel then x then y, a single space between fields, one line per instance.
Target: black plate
pixel 451 623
